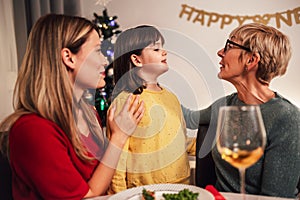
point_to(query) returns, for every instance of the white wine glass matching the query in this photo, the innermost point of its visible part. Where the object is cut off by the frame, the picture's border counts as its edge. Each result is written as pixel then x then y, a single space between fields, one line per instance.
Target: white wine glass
pixel 241 137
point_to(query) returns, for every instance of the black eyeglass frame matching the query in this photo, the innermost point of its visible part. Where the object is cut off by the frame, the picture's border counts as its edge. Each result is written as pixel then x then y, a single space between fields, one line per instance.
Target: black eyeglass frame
pixel 236 44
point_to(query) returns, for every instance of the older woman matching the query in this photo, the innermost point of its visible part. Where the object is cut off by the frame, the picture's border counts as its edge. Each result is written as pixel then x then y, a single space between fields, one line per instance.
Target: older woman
pixel 253 55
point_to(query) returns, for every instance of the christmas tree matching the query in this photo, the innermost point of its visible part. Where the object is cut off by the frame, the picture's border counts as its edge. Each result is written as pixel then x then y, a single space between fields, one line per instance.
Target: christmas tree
pixel 109 30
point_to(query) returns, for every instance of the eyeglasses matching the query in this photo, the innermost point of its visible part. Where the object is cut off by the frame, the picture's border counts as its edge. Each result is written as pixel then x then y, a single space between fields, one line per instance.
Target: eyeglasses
pixel 235 44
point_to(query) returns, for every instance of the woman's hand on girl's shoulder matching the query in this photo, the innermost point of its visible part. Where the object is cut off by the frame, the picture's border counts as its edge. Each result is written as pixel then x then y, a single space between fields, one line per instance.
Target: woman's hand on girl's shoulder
pixel 126 121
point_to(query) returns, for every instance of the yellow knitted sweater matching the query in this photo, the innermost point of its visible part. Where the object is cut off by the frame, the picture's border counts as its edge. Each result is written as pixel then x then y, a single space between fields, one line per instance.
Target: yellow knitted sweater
pixel 157 152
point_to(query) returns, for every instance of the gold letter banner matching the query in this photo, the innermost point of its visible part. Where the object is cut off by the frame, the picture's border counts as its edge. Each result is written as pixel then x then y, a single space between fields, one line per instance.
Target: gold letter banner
pixel 208 18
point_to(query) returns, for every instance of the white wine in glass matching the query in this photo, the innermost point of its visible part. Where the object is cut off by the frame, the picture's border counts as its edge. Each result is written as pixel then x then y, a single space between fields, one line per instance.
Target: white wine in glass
pixel 241 137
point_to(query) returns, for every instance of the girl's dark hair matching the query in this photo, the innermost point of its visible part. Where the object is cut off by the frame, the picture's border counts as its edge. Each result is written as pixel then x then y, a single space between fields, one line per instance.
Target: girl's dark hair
pixel 131 41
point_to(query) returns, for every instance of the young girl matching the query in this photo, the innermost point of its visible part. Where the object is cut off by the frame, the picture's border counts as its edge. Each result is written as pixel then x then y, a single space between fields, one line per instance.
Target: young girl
pixel 53 137
pixel 157 151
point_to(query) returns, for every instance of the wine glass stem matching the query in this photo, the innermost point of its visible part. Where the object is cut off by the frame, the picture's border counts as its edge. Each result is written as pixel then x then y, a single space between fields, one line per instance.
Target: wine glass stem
pixel 242 179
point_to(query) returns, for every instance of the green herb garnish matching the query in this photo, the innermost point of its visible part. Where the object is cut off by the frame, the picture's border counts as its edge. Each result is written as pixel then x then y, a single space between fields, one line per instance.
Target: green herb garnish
pixel 184 194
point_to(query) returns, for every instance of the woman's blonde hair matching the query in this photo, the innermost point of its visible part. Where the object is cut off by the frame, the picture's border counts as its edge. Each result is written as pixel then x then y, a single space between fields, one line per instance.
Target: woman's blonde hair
pixel 273 46
pixel 43 85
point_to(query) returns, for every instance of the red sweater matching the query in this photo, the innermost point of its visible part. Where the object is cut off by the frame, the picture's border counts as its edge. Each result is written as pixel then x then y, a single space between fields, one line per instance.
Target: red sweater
pixel 44 163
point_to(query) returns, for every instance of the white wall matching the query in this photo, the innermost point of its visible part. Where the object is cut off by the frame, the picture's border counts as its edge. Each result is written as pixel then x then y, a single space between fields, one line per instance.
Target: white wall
pixel 192 57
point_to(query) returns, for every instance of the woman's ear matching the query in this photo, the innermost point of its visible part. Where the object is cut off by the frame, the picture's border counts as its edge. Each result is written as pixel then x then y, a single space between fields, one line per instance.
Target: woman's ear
pixel 68 58
pixel 253 60
pixel 136 60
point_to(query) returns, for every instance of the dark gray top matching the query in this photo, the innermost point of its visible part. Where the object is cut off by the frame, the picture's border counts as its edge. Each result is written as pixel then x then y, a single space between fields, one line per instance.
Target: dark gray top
pixel 278 171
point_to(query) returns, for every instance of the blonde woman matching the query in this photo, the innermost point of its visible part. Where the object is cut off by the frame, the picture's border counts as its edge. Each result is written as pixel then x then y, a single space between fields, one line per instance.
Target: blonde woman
pixel 253 56
pixel 56 147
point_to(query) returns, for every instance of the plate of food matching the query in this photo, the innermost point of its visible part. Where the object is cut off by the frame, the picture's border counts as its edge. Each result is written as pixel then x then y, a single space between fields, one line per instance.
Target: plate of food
pixel 164 192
